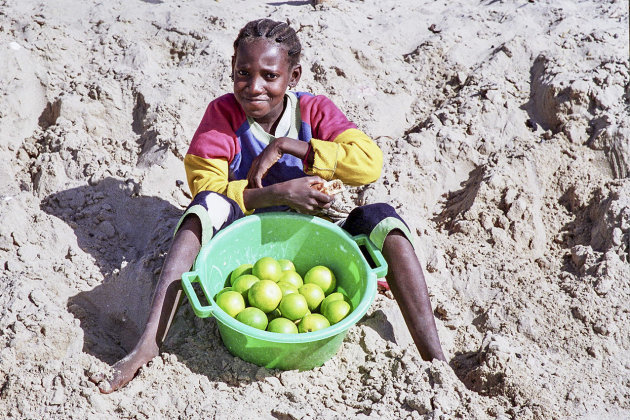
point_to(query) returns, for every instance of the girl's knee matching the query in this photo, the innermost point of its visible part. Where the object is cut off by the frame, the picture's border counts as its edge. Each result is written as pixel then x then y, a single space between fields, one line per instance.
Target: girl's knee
pixel 372 213
pixel 364 219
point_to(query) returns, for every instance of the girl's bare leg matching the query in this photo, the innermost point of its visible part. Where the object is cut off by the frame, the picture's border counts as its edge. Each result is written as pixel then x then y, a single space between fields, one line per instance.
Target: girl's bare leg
pixel 166 299
pixel 406 281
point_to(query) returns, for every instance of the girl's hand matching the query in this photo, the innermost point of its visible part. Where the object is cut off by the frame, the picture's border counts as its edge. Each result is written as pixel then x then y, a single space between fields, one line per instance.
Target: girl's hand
pixel 261 164
pixel 300 195
pixel 272 153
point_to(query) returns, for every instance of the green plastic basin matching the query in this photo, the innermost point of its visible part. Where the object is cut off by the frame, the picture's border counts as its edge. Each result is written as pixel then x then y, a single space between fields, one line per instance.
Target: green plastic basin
pixel 305 240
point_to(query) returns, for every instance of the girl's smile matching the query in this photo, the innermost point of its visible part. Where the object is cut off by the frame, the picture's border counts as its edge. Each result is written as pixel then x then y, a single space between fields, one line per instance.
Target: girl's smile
pixel 262 74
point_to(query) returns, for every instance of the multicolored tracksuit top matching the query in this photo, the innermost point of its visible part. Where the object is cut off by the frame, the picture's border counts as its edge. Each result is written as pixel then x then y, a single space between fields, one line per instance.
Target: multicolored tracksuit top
pixel 227 141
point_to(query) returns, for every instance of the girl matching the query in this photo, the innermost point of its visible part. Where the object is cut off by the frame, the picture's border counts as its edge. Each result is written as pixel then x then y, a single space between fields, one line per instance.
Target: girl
pixel 264 147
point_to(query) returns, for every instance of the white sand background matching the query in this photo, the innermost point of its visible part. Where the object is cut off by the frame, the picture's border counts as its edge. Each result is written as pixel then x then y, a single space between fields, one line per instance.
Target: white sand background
pixel 505 126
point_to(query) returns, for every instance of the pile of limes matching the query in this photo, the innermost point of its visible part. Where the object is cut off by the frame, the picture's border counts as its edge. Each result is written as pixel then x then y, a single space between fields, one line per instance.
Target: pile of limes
pixel 270 295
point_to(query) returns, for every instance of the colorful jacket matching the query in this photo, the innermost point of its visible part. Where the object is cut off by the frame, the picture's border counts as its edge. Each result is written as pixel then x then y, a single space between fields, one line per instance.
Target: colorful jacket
pixel 227 141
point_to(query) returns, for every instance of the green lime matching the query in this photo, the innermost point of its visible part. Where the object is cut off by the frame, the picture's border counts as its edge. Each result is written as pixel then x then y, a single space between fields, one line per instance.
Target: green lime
pixel 287 288
pixel 313 294
pixel 267 268
pixel 331 298
pixel 253 317
pixel 231 302
pixel 293 306
pixel 243 284
pixel 239 271
pixel 291 277
pixel 323 277
pixel 336 311
pixel 265 295
pixel 283 326
pixel 313 322
pixel 286 265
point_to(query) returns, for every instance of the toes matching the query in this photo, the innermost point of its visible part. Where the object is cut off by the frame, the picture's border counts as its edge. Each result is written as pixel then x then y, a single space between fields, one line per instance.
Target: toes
pixel 97 378
pixel 103 384
pixel 105 387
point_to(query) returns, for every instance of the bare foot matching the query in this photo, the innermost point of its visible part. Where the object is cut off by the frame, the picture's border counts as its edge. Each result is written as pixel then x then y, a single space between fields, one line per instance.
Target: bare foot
pixel 125 369
pixel 166 300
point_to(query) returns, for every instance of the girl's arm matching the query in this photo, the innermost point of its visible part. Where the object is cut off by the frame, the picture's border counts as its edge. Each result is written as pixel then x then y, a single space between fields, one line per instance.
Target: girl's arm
pixel 298 194
pixel 212 175
pixel 214 145
pixel 272 153
pixel 338 149
pixel 351 156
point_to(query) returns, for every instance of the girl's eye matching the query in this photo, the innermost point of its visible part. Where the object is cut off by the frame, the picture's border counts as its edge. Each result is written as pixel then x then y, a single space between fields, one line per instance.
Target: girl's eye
pixel 241 73
pixel 272 76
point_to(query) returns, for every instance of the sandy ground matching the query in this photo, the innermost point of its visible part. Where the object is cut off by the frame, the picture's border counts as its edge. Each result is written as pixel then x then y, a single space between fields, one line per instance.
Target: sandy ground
pixel 506 134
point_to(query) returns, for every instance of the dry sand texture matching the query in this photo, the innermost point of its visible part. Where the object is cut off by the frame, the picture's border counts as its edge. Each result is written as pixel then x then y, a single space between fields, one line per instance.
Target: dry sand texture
pixel 505 126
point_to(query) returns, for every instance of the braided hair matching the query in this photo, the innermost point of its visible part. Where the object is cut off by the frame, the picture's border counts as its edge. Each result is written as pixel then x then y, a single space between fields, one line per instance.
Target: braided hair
pixel 272 31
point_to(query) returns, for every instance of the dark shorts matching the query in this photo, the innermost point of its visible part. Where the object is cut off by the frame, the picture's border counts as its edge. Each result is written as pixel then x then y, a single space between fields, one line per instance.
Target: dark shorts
pixel 216 212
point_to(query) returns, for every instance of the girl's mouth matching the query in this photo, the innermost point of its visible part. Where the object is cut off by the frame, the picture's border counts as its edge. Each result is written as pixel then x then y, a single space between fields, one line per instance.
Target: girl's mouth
pixel 256 100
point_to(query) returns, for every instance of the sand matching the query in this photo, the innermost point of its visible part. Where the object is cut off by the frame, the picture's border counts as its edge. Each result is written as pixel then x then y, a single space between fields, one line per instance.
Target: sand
pixel 506 135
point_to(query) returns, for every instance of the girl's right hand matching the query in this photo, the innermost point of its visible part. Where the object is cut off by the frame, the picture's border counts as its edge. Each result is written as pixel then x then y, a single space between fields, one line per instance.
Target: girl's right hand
pixel 300 195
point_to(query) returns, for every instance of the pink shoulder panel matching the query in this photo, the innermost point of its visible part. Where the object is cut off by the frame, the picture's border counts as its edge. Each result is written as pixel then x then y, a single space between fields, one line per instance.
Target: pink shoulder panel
pixel 325 119
pixel 216 135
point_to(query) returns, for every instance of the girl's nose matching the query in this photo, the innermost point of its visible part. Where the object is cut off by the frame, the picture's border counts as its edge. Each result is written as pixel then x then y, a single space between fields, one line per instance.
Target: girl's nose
pixel 256 85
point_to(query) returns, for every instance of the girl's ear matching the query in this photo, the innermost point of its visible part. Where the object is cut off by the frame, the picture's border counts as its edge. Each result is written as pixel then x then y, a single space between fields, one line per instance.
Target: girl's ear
pixel 296 73
pixel 233 62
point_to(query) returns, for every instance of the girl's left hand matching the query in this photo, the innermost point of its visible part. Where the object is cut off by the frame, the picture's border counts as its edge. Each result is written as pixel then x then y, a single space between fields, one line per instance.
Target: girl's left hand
pixel 261 164
pixel 272 153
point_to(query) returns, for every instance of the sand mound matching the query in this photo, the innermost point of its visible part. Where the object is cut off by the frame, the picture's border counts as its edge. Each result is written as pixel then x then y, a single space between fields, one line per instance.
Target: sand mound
pixel 506 136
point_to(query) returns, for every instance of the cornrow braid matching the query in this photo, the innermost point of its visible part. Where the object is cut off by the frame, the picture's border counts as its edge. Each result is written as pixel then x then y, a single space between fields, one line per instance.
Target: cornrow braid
pixel 279 32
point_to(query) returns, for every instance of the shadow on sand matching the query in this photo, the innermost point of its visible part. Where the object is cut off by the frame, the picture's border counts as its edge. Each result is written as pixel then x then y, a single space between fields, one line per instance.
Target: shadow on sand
pixel 128 235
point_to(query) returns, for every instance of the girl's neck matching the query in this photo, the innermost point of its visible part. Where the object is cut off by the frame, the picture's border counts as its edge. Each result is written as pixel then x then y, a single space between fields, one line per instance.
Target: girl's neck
pixel 270 126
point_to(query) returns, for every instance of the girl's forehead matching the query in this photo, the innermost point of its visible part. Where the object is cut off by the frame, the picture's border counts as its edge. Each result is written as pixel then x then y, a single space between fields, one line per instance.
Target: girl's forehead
pixel 261 49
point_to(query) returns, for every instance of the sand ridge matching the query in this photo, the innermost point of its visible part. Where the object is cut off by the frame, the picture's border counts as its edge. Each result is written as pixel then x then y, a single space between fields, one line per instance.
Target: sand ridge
pixel 504 126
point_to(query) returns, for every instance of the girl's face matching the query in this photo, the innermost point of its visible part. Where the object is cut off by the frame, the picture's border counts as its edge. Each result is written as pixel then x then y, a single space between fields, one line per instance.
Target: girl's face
pixel 262 74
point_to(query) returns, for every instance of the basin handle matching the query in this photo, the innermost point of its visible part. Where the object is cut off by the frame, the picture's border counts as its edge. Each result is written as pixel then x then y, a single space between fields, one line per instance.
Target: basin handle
pixel 187 280
pixel 376 260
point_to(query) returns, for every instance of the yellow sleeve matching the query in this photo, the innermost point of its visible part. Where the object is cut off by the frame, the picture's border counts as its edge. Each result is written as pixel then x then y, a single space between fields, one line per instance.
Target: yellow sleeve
pixel 212 175
pixel 351 157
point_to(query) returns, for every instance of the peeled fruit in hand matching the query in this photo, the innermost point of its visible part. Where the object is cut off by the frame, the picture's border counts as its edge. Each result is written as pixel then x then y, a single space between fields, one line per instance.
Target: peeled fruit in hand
pixel 253 317
pixel 283 326
pixel 334 186
pixel 239 271
pixel 231 302
pixel 323 277
pixel 313 294
pixel 265 295
pixel 290 276
pixel 286 265
pixel 336 310
pixel 293 306
pixel 267 268
pixel 313 322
